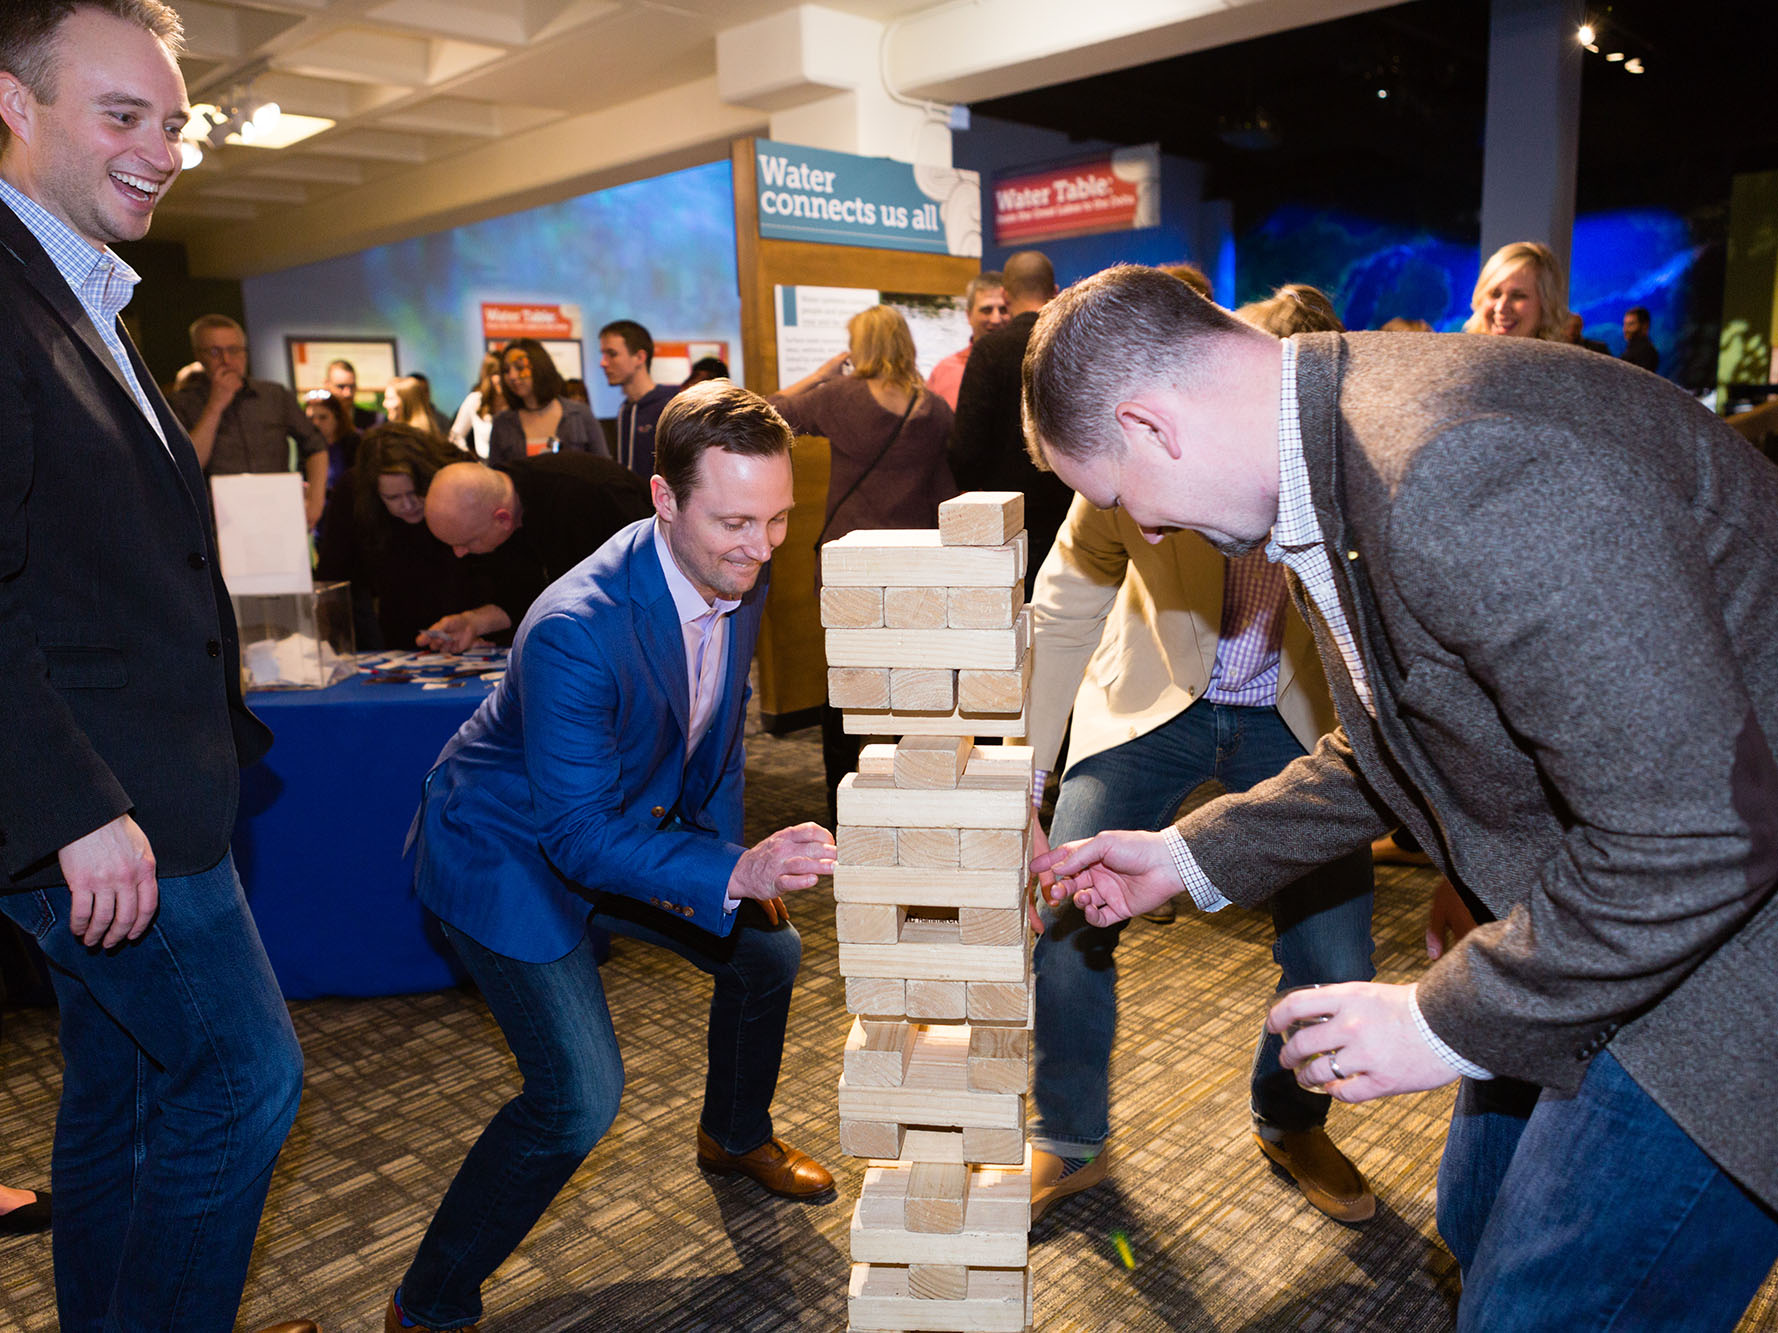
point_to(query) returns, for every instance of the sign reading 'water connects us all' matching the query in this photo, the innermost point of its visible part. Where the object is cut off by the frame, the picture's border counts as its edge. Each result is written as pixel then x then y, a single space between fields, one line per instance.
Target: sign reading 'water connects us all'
pixel 811 194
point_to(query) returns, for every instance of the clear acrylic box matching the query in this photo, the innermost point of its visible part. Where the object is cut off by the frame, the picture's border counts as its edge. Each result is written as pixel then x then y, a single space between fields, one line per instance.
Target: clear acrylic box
pixel 296 640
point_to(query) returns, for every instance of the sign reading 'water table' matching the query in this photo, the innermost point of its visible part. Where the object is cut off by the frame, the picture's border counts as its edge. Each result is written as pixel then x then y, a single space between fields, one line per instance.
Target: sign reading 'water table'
pixel 1119 191
pixel 811 194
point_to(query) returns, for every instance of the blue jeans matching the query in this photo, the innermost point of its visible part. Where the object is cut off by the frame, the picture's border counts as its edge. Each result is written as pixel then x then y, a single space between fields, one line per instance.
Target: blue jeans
pixel 555 1019
pixel 1322 921
pixel 181 1078
pixel 1593 1212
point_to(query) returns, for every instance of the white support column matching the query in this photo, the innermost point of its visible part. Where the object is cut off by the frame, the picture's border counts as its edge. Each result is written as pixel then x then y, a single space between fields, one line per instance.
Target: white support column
pixel 1533 126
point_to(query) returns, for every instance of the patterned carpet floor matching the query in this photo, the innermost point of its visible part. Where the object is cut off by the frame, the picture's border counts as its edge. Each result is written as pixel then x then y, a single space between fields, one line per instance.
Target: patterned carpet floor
pixel 640 1240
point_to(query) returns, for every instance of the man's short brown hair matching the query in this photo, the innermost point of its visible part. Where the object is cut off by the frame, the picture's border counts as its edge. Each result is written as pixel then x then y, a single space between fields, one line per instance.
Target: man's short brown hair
pixel 1105 339
pixel 28 30
pixel 716 414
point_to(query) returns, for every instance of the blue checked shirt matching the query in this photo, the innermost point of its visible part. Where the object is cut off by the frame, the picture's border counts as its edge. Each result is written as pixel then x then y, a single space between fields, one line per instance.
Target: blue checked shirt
pixel 1297 543
pixel 101 282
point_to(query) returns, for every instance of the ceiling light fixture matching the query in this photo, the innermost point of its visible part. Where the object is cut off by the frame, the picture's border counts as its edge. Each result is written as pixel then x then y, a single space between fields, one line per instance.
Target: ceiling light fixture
pixel 1614 56
pixel 1587 34
pixel 1633 66
pixel 240 118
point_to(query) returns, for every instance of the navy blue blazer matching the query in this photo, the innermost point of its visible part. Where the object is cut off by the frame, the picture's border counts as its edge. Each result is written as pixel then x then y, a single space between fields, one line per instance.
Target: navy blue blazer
pixel 558 789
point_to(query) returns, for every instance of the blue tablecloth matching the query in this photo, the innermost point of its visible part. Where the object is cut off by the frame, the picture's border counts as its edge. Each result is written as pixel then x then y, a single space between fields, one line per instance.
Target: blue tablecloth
pixel 319 838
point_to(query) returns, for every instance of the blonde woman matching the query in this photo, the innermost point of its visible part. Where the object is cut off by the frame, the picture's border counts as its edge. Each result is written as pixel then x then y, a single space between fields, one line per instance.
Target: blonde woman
pixel 405 404
pixel 888 434
pixel 475 419
pixel 1520 294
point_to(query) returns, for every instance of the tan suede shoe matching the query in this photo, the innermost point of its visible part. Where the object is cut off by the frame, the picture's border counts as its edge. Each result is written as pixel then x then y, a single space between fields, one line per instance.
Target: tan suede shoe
pixel 1049 1184
pixel 775 1164
pixel 1323 1173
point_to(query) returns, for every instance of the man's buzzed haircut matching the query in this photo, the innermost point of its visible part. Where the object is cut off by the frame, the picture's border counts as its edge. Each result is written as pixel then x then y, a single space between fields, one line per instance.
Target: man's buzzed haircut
pixel 28 30
pixel 716 414
pixel 1029 274
pixel 1106 339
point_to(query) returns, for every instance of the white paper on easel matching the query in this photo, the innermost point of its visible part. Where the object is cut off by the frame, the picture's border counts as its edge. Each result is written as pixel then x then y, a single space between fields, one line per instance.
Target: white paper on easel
pixel 262 534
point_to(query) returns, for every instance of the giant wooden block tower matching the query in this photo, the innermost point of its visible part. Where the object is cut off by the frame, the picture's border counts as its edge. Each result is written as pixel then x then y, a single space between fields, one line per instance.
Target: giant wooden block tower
pixel 928 639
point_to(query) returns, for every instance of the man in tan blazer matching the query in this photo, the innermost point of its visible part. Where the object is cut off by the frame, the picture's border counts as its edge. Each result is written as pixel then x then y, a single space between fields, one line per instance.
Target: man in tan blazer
pixel 1179 667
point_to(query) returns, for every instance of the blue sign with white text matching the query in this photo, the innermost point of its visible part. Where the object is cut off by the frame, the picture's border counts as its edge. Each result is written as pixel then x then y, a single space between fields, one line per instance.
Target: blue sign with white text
pixel 812 194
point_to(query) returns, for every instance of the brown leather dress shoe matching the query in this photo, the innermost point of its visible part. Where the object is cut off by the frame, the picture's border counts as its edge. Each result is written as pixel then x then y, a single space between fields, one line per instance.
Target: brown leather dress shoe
pixel 1323 1173
pixel 775 1164
pixel 392 1322
pixel 1048 1184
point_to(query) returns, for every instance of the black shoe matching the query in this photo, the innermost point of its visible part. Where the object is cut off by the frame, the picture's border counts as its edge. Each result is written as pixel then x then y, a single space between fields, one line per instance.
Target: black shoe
pixel 27 1219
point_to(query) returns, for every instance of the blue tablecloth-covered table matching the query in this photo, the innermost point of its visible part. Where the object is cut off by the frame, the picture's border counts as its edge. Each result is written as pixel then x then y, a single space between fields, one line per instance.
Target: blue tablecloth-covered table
pixel 319 838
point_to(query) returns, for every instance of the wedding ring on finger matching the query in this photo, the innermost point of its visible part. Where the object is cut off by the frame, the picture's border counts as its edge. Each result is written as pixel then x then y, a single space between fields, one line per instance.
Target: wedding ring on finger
pixel 1333 1066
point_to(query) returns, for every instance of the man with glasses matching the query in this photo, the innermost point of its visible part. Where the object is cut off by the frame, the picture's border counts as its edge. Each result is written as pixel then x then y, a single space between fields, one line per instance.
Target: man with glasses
pixel 240 424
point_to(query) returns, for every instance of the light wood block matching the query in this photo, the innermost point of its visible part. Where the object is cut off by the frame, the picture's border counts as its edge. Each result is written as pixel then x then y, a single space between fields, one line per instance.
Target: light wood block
pixel 931 1145
pixel 914 608
pixel 913 1104
pixel 877 1054
pixel 852 608
pixel 858 687
pixel 870 923
pixel 927 849
pixel 916 556
pixel 986 925
pixel 910 886
pixel 917 689
pixel 998 1002
pixel 999 1059
pixel 886 722
pixel 875 803
pixel 936 1195
pixel 954 649
pixel 933 950
pixel 943 1001
pixel 1021 552
pixel 996 1220
pixel 934 763
pixel 987 691
pixel 991 849
pixel 938 1282
pixel 1000 766
pixel 878 1298
pixel 982 608
pixel 981 518
pixel 884 997
pixel 994 1145
pixel 867 1138
pixel 865 845
pixel 877 761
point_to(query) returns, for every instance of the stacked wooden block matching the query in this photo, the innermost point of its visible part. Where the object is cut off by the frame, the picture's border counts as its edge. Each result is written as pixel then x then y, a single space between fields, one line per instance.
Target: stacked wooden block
pixel 928 639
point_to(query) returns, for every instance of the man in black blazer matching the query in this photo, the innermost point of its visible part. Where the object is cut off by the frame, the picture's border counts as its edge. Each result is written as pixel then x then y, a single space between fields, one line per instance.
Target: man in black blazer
pixel 124 725
pixel 1545 589
pixel 987 448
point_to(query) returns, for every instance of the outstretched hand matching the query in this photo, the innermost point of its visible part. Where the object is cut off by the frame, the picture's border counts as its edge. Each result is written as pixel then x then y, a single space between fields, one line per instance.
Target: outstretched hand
pixel 790 859
pixel 1358 1041
pixel 1112 876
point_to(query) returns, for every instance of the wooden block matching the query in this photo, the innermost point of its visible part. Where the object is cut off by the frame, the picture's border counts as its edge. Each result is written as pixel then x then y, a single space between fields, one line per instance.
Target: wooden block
pixel 884 722
pixel 864 845
pixel 877 761
pixel 1000 766
pixel 983 608
pixel 877 1055
pixel 994 1145
pixel 990 849
pixel 937 1192
pixel 869 923
pixel 1021 549
pixel 913 1104
pixel 996 1001
pixel 858 687
pixel 914 608
pixel 852 608
pixel 866 1138
pixel 934 763
pixel 884 997
pixel 986 925
pixel 996 1220
pixel 930 1145
pixel 910 886
pixel 928 689
pixel 999 1059
pixel 938 1282
pixel 954 649
pixel 878 1298
pixel 933 950
pixel 937 1000
pixel 916 556
pixel 927 849
pixel 872 802
pixel 981 518
pixel 986 691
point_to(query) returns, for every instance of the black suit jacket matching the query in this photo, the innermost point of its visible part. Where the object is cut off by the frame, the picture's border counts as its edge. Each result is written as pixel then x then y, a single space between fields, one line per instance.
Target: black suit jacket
pixel 118 659
pixel 987 450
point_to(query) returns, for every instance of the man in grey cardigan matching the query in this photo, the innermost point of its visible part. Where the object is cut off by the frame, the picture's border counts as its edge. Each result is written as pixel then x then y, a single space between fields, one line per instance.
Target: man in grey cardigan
pixel 1545 588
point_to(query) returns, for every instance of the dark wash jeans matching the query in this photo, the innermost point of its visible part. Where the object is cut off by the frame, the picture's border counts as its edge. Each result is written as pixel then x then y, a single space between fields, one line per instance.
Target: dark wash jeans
pixel 1593 1212
pixel 556 1021
pixel 1322 921
pixel 182 1076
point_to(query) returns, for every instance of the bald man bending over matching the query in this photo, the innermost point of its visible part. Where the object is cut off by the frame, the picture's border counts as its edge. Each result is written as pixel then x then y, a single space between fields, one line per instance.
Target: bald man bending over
pixel 523 525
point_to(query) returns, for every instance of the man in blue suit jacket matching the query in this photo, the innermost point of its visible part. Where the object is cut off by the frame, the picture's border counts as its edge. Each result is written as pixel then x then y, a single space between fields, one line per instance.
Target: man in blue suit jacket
pixel 602 782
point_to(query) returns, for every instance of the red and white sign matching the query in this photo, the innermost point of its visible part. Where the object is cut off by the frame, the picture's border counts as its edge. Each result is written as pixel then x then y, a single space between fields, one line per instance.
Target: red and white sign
pixel 1117 192
pixel 515 319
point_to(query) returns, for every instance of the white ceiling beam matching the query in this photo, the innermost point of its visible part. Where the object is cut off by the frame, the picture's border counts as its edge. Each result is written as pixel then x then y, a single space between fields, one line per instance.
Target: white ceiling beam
pixel 256 191
pixel 446 115
pixel 376 146
pixel 288 166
